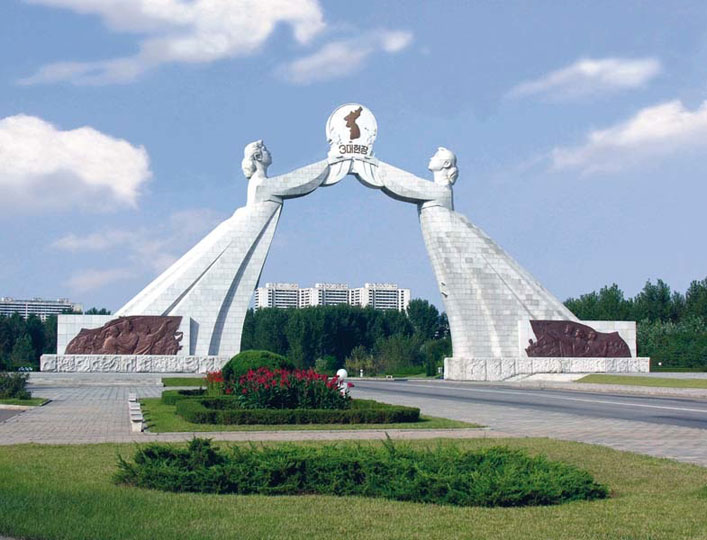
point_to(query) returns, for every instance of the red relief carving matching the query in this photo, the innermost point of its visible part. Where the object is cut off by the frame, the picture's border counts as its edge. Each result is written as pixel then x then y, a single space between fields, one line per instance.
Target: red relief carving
pixel 567 339
pixel 137 334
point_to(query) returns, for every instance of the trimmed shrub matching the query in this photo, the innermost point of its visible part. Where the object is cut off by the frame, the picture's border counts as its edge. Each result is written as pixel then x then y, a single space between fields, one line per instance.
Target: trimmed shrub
pixel 443 474
pixel 245 361
pixel 14 386
pixel 226 410
pixel 170 397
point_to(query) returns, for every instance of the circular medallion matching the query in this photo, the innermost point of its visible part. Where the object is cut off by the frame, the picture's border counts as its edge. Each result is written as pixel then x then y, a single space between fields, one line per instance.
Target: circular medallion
pixel 351 131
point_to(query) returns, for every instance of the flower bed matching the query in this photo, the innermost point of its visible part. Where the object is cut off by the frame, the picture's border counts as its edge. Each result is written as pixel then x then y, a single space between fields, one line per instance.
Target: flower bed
pixel 228 410
pixel 443 474
pixel 284 389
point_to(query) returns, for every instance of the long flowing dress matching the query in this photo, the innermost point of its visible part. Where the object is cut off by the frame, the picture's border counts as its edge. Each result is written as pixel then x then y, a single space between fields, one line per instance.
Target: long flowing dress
pixel 213 282
pixel 484 290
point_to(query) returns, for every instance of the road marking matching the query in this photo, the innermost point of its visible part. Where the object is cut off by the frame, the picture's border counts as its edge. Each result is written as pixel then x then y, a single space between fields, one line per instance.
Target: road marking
pixel 546 396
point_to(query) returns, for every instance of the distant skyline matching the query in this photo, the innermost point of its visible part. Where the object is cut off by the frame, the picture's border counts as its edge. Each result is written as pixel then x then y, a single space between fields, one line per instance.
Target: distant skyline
pixel 580 132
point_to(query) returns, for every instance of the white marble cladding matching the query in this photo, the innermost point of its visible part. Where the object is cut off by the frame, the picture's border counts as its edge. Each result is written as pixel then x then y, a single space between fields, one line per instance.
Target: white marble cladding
pixel 68 327
pixel 626 329
pixel 499 369
pixel 104 363
pixel 485 292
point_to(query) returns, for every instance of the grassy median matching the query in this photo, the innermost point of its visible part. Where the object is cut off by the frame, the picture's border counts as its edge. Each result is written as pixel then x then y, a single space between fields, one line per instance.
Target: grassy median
pixel 162 418
pixel 31 402
pixel 663 382
pixel 67 492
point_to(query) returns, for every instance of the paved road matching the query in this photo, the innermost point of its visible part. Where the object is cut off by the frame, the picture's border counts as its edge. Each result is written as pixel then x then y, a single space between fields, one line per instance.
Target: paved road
pixel 663 427
pixel 678 412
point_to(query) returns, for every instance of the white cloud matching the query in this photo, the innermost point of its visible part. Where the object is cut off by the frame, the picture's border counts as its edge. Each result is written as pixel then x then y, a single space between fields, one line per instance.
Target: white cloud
pixel 152 248
pixel 91 279
pixel 652 133
pixel 180 31
pixel 345 57
pixel 43 166
pixel 590 77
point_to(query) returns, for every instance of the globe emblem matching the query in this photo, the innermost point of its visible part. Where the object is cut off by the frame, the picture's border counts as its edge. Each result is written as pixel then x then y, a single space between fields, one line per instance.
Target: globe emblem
pixel 351 131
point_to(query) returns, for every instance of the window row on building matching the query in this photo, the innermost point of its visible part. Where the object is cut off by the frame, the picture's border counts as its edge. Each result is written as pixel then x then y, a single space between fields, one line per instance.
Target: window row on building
pixel 290 295
pixel 37 306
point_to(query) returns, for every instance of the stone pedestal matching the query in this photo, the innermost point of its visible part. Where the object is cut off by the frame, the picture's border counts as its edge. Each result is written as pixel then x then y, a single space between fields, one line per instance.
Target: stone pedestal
pixel 85 363
pixel 499 369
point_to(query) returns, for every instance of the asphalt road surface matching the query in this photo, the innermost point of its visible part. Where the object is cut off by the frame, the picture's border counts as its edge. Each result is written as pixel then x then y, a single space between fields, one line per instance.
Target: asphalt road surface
pixel 660 410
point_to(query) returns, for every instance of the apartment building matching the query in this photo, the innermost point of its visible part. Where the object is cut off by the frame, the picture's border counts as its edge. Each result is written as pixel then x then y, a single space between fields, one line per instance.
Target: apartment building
pixel 289 295
pixel 38 306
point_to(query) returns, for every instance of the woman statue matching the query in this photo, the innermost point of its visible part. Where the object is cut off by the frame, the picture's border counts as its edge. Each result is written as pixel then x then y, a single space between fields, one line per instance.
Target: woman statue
pixel 485 292
pixel 214 281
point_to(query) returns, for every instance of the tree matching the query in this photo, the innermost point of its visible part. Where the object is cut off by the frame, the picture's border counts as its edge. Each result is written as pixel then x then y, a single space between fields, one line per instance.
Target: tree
pixel 96 311
pixel 424 318
pixel 22 353
pixel 654 302
pixel 434 352
pixel 696 299
pixel 399 351
pixel 585 307
pixel 362 359
pixel 50 329
pixel 611 305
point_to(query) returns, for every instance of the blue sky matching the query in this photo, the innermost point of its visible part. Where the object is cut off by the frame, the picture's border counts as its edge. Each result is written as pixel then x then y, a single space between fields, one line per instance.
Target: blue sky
pixel 580 130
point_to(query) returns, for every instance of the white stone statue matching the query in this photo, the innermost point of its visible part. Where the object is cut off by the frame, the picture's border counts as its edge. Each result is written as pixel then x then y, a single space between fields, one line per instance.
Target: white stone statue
pixel 485 292
pixel 488 297
pixel 213 282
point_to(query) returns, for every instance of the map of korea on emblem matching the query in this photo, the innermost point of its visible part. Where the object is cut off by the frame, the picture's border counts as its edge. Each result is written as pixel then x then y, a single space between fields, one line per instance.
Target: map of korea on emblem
pixel 351 131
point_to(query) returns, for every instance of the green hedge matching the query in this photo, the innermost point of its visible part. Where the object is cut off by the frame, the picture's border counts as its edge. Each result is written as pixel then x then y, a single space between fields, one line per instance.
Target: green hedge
pixel 240 364
pixel 441 474
pixel 170 397
pixel 225 410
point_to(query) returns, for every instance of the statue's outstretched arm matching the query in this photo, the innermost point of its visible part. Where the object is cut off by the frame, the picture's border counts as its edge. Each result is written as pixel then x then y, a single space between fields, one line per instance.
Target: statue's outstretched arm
pixel 403 186
pixel 299 182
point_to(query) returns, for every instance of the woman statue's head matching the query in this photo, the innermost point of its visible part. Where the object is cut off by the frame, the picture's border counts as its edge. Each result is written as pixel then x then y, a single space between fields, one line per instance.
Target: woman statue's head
pixel 255 157
pixel 444 166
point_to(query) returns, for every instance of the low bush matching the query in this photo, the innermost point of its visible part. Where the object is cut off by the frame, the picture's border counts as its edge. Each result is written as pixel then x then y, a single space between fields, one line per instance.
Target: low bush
pixel 443 475
pixel 246 361
pixel 227 410
pixel 170 397
pixel 14 386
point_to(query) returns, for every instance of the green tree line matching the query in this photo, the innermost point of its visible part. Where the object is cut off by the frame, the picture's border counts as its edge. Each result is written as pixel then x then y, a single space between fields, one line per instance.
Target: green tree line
pixel 331 337
pixel 672 326
pixel 23 341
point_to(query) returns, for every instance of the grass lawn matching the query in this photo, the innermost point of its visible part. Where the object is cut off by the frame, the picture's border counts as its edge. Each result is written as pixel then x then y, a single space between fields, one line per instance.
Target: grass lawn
pixel 66 492
pixel 32 402
pixel 184 381
pixel 162 418
pixel 645 381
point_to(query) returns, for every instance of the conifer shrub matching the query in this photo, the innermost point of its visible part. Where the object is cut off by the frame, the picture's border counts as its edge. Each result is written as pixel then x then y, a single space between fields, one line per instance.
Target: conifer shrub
pixel 14 386
pixel 444 474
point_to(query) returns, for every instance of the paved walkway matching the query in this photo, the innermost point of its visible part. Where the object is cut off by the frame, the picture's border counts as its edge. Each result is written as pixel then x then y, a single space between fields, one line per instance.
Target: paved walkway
pixel 97 414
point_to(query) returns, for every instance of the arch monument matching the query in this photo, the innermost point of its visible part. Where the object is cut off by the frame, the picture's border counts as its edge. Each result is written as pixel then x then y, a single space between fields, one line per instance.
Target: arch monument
pixel 503 322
